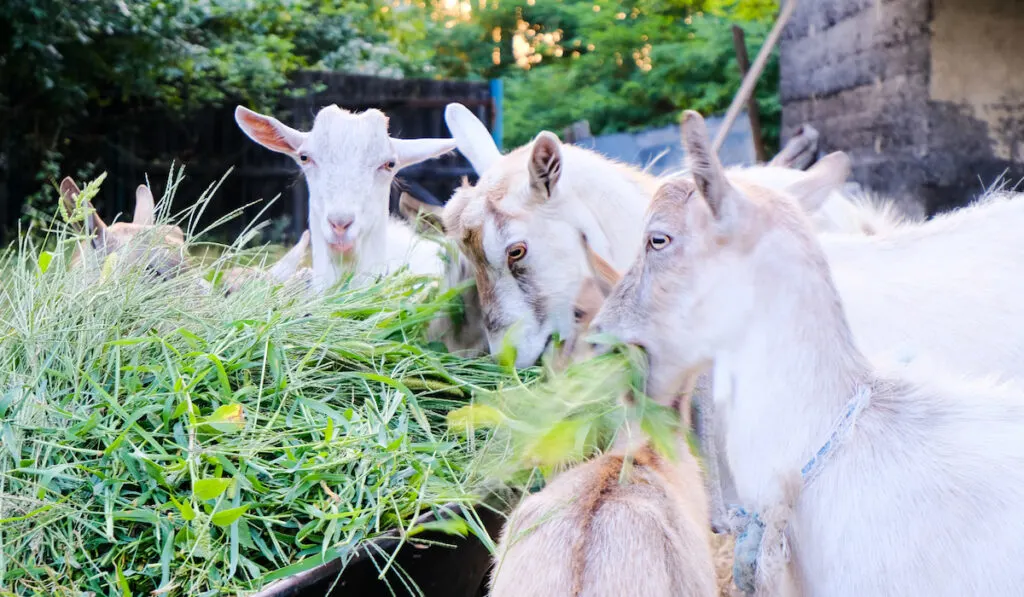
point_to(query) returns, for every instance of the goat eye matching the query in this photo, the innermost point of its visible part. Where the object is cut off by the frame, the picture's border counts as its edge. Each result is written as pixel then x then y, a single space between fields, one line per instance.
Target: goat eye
pixel 516 252
pixel 578 314
pixel 658 241
pixel 388 166
pixel 304 158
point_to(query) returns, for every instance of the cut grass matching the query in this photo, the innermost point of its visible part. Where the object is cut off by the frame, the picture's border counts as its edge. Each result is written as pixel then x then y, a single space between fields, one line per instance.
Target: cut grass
pixel 156 439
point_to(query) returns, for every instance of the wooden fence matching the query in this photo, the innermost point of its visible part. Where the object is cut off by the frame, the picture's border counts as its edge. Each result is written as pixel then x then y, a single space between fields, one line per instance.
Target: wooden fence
pixel 209 143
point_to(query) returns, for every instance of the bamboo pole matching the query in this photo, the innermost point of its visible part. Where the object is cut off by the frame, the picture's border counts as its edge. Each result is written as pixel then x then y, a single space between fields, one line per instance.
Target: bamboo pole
pixel 754 74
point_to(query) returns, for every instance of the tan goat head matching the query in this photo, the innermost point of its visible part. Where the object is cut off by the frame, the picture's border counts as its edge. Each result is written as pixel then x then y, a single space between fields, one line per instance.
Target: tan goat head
pixel 424 216
pixel 525 254
pixel 163 254
pixel 694 285
pixel 465 335
pixel 519 226
pixel 593 291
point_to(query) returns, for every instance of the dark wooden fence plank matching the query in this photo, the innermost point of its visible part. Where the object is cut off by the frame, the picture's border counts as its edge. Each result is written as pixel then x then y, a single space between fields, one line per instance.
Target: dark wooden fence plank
pixel 145 142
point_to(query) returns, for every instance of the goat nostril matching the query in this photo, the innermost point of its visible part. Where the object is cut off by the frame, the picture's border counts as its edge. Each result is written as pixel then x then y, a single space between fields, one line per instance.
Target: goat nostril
pixel 340 224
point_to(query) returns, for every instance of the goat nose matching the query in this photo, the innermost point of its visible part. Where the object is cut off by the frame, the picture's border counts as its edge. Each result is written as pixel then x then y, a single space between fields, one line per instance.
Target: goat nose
pixel 340 224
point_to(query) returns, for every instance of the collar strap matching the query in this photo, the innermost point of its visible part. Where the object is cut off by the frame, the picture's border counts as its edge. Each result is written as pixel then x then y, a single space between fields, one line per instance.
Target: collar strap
pixel 748 526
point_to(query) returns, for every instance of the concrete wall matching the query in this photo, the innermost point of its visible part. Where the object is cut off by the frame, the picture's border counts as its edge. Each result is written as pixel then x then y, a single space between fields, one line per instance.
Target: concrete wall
pixel 977 65
pixel 927 95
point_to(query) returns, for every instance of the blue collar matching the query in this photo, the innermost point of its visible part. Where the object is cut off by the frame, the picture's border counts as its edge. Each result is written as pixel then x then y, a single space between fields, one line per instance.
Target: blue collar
pixel 749 528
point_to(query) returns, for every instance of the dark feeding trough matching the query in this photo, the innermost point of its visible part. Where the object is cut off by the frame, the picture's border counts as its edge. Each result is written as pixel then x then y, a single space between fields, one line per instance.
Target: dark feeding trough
pixel 432 563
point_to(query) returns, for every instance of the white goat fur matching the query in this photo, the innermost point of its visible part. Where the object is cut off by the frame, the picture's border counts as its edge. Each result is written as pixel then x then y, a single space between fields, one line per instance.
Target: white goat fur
pixel 543 195
pixel 588 535
pixel 947 290
pixel 925 497
pixel 349 162
pixel 939 293
pixel 838 211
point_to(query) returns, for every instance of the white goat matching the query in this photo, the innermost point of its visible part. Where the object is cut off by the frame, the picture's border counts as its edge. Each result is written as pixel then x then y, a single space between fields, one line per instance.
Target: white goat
pixel 349 162
pixel 520 224
pixel 926 494
pixel 590 533
pixel 520 228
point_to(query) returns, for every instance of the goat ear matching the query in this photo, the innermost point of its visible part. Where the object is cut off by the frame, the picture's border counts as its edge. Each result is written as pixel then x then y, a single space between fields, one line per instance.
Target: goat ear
pixel 545 162
pixel 413 151
pixel 820 180
pixel 415 210
pixel 287 266
pixel 269 131
pixel 604 274
pixel 69 192
pixel 472 137
pixel 708 173
pixel 145 208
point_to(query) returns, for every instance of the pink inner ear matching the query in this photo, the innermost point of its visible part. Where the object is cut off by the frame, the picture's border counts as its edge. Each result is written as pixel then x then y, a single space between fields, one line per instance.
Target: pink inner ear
pixel 264 132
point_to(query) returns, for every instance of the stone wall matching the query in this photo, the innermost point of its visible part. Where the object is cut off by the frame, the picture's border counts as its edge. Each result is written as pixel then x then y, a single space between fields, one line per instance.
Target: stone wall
pixel 926 95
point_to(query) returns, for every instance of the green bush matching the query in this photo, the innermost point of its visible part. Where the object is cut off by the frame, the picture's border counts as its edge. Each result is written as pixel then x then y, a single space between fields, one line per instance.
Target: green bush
pixel 63 63
pixel 628 66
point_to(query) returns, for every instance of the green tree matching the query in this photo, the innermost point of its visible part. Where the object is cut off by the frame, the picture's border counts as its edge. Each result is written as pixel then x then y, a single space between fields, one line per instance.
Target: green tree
pixel 620 65
pixel 61 61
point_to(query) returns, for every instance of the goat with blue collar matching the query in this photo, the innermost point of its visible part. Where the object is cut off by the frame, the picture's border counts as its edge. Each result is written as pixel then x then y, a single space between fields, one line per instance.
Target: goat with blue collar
pixel 916 482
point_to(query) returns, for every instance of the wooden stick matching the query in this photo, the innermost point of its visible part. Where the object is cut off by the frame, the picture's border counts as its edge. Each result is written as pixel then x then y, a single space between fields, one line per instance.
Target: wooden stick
pixel 754 74
pixel 739 42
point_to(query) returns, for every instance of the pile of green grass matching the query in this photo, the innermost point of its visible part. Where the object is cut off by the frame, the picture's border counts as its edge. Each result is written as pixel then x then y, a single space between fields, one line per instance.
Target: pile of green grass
pixel 154 439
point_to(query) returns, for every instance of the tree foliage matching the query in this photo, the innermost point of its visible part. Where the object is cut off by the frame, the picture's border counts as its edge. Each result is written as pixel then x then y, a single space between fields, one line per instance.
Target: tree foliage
pixel 620 65
pixel 64 61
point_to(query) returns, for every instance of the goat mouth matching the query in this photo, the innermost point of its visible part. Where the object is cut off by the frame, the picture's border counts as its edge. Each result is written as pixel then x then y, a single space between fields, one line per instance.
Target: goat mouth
pixel 343 247
pixel 644 354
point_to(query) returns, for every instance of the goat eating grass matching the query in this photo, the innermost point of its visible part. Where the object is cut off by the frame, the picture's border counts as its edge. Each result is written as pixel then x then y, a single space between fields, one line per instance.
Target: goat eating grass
pixel 520 227
pixel 349 161
pixel 919 489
